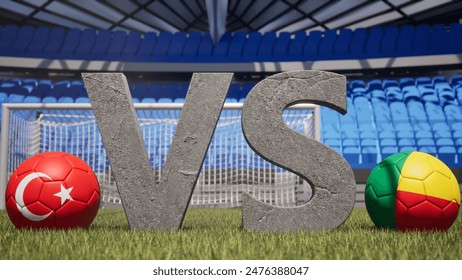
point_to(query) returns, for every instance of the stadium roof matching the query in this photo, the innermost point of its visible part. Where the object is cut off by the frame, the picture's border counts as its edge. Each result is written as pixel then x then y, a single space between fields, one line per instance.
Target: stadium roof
pixel 218 16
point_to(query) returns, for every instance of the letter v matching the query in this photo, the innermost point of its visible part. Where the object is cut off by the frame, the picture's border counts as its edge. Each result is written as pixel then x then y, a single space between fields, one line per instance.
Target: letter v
pixel 146 205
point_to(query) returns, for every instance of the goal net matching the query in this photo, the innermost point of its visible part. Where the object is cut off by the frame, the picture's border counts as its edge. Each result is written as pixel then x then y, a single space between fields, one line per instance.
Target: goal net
pixel 230 166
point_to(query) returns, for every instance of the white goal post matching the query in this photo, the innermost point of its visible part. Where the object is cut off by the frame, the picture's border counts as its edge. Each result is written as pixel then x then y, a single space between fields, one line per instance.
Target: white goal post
pixel 230 166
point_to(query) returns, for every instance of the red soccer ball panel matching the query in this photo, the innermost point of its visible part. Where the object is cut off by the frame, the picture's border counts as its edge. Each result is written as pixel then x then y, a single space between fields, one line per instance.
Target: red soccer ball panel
pixel 400 215
pixel 425 216
pixel 74 214
pixel 441 203
pixel 77 163
pixel 56 167
pixel 83 184
pixel 28 165
pixel 94 200
pixel 450 213
pixel 410 199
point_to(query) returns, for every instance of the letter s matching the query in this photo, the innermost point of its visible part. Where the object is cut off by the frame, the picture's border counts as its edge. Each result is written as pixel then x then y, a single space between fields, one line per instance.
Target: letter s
pixel 328 173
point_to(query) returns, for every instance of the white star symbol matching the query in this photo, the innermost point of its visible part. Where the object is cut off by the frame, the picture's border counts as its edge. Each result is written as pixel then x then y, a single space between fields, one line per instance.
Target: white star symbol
pixel 64 194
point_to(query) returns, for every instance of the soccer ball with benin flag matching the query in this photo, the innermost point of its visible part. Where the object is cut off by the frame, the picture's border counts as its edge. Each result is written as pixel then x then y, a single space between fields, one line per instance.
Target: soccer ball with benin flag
pixel 53 190
pixel 412 191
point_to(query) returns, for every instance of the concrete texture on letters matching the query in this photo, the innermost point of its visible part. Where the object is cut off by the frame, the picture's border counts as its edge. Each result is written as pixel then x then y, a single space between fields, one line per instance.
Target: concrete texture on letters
pixel 327 172
pixel 118 124
pixel 197 123
pixel 146 205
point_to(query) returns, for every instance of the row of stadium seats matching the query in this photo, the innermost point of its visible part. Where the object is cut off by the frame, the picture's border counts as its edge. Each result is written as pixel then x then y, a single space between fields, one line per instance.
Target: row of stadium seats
pixel 383 117
pixel 91 44
pixel 437 90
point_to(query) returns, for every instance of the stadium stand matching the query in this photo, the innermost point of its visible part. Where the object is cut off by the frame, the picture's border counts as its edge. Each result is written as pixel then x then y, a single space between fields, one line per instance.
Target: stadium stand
pixel 385 116
pixel 92 44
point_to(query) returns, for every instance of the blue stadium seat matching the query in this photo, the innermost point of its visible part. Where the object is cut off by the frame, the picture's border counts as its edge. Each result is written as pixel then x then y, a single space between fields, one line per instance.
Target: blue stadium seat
pixel 435 113
pixel 442 134
pixel 406 81
pixel 453 113
pixel 281 46
pixel 378 95
pixel 86 43
pixel 404 44
pixel 416 112
pixel 342 45
pixel 404 134
pixel 388 142
pixel 131 46
pixel 425 87
pixel 392 91
pixel 326 46
pixel 358 43
pixel 170 90
pixel 456 127
pixel 428 149
pixel 146 46
pixel 102 42
pixel 205 47
pixel 220 51
pixel 411 93
pixel 296 46
pixel 265 49
pixel 117 44
pixel 54 43
pixel 374 85
pixel 310 50
pixel 237 45
pixel 438 38
pixel 387 134
pixel 233 93
pixel 407 149
pixel 422 134
pixel 39 41
pixel 440 126
pixel 425 142
pixel 388 151
pixel 398 112
pixel 70 43
pixel 350 142
pixel 448 155
pixel 369 157
pixel 421 43
pixel 29 82
pixel 390 38
pixel 406 142
pixel 181 93
pixel 368 142
pixel 333 142
pixel 192 46
pixel 161 48
pixel 23 40
pixel 352 154
pixel 374 41
pixel 251 46
pixel 8 37
pixel 454 38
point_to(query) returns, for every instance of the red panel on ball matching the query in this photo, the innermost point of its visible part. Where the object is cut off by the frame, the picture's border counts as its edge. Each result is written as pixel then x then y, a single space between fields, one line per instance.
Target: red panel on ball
pixel 449 215
pixel 400 214
pixel 57 168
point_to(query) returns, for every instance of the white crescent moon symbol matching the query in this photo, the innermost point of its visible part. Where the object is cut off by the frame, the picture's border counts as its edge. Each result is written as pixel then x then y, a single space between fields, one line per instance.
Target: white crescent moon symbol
pixel 19 197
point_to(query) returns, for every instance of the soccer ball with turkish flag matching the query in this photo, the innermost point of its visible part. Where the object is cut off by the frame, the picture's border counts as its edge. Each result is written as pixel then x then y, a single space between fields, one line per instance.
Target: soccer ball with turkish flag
pixel 53 190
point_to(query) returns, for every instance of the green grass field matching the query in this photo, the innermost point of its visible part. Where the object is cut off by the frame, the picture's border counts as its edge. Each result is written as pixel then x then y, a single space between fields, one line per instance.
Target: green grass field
pixel 218 234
